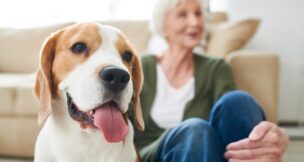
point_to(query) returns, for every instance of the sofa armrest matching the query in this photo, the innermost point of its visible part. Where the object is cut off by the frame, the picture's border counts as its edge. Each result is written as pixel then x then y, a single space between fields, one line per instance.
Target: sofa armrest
pixel 257 73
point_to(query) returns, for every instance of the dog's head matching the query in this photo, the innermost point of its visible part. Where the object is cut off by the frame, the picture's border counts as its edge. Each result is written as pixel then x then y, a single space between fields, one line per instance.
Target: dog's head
pixel 99 72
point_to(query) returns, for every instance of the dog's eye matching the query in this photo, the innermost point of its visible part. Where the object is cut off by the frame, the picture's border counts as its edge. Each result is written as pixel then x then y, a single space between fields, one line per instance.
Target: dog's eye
pixel 127 56
pixel 79 47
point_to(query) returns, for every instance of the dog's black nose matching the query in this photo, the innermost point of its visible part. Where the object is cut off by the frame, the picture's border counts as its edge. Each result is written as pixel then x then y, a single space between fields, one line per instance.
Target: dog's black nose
pixel 114 79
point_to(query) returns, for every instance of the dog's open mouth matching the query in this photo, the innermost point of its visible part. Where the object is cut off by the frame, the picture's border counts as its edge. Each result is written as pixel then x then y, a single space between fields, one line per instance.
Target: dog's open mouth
pixel 107 117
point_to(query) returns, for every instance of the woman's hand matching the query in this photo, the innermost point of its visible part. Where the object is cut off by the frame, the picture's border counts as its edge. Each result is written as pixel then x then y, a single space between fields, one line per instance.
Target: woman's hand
pixel 266 143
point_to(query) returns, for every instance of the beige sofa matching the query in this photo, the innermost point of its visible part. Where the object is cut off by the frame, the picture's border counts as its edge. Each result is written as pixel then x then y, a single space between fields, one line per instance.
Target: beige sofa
pixel 256 72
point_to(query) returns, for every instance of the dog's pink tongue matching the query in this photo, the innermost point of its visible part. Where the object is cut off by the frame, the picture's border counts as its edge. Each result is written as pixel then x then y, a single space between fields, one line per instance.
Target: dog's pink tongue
pixel 111 122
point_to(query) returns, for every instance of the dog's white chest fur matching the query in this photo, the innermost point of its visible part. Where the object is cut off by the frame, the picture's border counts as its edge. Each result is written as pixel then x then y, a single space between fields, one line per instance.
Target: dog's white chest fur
pixel 68 145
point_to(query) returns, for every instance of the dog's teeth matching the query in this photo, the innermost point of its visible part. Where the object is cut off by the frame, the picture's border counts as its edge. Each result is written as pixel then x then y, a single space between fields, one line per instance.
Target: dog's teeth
pixel 91 112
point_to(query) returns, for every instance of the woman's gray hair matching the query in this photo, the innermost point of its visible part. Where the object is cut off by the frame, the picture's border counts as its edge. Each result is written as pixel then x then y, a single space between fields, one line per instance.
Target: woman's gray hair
pixel 160 10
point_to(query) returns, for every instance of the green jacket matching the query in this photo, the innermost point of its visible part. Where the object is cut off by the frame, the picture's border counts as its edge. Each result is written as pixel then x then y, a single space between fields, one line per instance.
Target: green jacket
pixel 213 78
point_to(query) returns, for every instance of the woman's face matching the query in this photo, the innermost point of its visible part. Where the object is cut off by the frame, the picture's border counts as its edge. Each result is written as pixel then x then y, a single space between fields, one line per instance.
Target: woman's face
pixel 184 24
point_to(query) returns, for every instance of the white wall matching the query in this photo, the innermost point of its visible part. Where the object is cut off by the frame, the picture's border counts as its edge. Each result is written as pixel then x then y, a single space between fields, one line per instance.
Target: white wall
pixel 33 13
pixel 281 31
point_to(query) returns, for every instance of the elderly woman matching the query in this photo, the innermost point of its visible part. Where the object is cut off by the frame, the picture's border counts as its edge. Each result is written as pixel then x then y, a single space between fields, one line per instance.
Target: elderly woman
pixel 191 108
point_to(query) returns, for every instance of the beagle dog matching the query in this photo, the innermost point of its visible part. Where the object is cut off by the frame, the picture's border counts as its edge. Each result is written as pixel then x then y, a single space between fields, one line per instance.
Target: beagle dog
pixel 88 76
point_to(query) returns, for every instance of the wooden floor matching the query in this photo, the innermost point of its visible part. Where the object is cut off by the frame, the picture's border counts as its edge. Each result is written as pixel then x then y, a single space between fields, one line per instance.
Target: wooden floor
pixel 295 153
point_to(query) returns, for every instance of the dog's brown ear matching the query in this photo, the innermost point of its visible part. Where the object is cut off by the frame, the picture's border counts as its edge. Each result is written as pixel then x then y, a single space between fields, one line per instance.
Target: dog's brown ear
pixel 137 83
pixel 44 89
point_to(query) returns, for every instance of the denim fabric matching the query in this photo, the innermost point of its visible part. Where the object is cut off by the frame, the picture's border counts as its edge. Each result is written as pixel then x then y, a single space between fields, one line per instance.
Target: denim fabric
pixel 195 140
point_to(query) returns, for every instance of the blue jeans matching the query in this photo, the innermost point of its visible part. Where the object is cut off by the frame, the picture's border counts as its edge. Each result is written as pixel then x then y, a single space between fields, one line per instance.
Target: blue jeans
pixel 232 118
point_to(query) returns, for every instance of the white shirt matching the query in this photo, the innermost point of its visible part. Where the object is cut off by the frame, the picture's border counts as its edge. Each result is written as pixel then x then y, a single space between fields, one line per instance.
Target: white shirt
pixel 169 103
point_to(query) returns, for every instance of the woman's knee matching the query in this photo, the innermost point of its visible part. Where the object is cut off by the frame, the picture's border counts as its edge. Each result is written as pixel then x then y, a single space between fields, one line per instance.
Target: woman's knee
pixel 239 106
pixel 239 102
pixel 237 96
pixel 236 112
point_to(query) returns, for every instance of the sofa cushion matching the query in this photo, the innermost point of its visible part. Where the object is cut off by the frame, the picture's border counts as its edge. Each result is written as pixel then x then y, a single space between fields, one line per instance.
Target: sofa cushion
pixel 19 48
pixel 226 38
pixel 216 18
pixel 16 95
pixel 18 135
pixel 257 72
